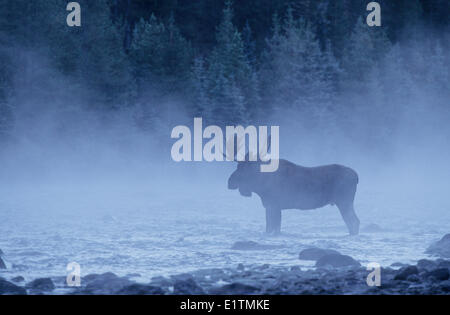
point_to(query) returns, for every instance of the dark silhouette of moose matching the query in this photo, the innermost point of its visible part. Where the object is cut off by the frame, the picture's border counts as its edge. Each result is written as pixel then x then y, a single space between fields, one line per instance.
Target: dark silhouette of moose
pixel 296 187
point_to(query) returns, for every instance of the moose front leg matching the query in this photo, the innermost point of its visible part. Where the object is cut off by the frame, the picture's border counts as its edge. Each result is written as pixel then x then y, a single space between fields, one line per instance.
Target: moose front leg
pixel 350 218
pixel 273 221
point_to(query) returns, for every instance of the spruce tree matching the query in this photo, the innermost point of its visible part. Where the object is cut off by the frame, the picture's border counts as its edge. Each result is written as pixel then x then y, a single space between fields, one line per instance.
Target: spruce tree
pixel 161 55
pixel 231 83
pixel 299 73
pixel 363 51
pixel 202 103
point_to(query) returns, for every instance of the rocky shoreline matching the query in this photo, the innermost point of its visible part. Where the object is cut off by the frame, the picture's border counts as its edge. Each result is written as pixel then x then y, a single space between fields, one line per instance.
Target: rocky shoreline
pixel 333 274
pixel 427 277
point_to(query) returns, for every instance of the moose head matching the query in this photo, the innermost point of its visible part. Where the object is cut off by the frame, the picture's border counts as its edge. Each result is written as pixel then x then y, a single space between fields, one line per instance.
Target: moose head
pixel 248 172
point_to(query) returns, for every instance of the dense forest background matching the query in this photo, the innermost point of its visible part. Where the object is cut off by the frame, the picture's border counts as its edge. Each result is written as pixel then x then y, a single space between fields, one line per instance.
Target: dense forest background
pixel 314 67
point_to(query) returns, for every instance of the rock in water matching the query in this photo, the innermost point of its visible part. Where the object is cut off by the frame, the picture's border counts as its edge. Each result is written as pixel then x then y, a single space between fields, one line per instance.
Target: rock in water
pixel 426 264
pixel 235 288
pixel 337 260
pixel 405 272
pixel 109 219
pixel 187 287
pixel 315 253
pixel 140 289
pixel 443 263
pixel 18 279
pixel 440 274
pixel 372 228
pixel 8 288
pixel 42 284
pixel 441 247
pixel 106 283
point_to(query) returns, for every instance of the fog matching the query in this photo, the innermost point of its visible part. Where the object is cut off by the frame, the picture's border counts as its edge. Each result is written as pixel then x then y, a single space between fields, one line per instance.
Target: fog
pixel 66 163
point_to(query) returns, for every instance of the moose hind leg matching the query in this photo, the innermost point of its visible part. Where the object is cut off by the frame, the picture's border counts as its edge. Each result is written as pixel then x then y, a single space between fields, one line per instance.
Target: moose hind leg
pixel 350 218
pixel 273 221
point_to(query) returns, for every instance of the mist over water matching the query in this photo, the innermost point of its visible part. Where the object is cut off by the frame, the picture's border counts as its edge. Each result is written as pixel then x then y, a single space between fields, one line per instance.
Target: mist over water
pixel 94 187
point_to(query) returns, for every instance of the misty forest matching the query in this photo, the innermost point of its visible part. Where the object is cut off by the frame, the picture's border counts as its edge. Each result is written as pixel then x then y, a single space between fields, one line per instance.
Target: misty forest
pixel 86 114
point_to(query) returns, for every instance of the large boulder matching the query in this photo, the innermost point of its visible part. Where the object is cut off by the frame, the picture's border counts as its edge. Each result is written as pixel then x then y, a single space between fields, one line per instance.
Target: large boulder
pixel 372 228
pixel 18 279
pixel 42 285
pixel 236 288
pixel 440 248
pixel 406 272
pixel 106 283
pixel 337 261
pixel 315 253
pixel 442 263
pixel 426 264
pixel 440 274
pixel 8 288
pixel 187 287
pixel 140 289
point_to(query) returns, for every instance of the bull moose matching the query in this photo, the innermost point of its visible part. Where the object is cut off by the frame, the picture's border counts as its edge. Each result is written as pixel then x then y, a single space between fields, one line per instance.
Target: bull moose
pixel 297 187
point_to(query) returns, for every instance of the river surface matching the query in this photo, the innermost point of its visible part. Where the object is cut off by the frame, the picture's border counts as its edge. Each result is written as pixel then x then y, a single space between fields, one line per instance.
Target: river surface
pixel 151 232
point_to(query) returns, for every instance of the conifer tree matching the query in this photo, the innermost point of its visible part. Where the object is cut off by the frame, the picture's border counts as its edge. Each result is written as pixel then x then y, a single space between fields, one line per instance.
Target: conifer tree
pixel 231 83
pixel 300 74
pixel 160 55
pixel 365 48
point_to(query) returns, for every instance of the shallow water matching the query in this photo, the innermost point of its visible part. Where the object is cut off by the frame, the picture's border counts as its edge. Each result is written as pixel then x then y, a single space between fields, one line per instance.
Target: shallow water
pixel 126 231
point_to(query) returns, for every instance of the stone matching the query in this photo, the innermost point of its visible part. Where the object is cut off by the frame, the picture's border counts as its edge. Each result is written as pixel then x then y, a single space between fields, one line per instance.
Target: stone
pixel 41 284
pixel 440 274
pixel 187 287
pixel 372 228
pixel 337 260
pixel 235 288
pixel 315 253
pixel 443 263
pixel 140 289
pixel 18 279
pixel 413 278
pixel 8 288
pixel 445 286
pixel 106 283
pixel 405 272
pixel 426 264
pixel 440 248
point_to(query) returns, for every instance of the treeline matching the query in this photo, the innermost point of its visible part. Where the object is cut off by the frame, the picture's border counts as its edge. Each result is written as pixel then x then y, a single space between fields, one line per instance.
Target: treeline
pixel 228 62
